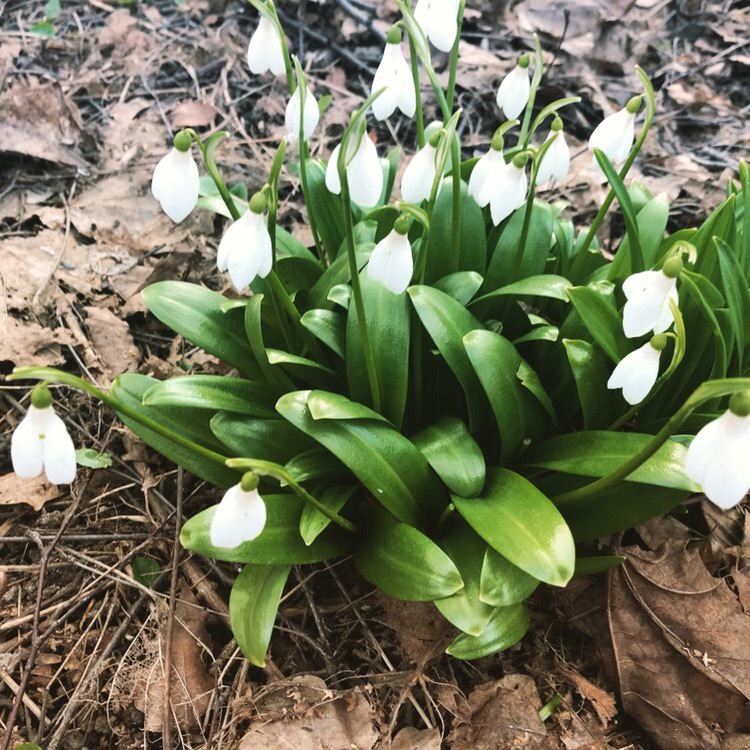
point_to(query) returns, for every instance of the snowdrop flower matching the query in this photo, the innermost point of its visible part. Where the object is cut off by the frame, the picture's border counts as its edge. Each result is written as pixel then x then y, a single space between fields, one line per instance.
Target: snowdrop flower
pixel 41 442
pixel 245 249
pixel 636 373
pixel 265 51
pixel 292 117
pixel 240 516
pixel 717 459
pixel 438 20
pixel 615 134
pixel 176 182
pixel 511 192
pixel 393 74
pixel 486 177
pixel 556 160
pixel 419 175
pixel 391 262
pixel 513 94
pixel 648 294
pixel 363 172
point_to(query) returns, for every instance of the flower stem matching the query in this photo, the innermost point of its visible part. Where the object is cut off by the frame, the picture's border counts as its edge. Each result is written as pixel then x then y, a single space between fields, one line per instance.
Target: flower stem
pixel 419 114
pixel 451 91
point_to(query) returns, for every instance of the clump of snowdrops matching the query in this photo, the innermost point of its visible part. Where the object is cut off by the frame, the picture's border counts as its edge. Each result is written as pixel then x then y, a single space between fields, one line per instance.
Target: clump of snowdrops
pixel 455 387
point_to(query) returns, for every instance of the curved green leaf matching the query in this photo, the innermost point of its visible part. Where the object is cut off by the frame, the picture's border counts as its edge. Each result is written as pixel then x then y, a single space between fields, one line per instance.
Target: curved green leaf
pixel 325 207
pixel 547 285
pixel 313 522
pixel 601 321
pixel 591 375
pixel 502 583
pixel 326 405
pixel 307 370
pixel 329 327
pixel 462 285
pixel 317 464
pixel 506 627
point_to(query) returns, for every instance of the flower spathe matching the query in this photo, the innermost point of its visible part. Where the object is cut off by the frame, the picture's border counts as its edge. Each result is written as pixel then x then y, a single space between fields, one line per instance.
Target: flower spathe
pixel 513 93
pixel 636 373
pixel 239 517
pixel 614 136
pixel 419 175
pixel 245 250
pixel 392 263
pixel 265 51
pixel 41 443
pixel 292 116
pixel 176 183
pixel 647 307
pixel 363 173
pixel 439 21
pixel 510 193
pixel 393 74
pixel 717 459
pixel 556 160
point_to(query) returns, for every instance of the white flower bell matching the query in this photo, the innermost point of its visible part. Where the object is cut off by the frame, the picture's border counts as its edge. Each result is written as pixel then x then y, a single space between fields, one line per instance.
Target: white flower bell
pixel 615 134
pixel 717 459
pixel 265 51
pixel 511 192
pixel 439 21
pixel 363 172
pixel 392 262
pixel 556 160
pixel 513 93
pixel 176 182
pixel 245 249
pixel 393 74
pixel 648 294
pixel 486 177
pixel 637 372
pixel 41 442
pixel 419 175
pixel 292 116
pixel 240 516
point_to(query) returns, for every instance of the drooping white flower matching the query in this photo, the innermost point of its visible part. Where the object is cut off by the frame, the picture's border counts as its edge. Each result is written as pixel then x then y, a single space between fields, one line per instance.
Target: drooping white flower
pixel 487 175
pixel 556 160
pixel 176 182
pixel 717 459
pixel 265 51
pixel 394 75
pixel 292 116
pixel 363 172
pixel 616 133
pixel 439 21
pixel 245 249
pixel 419 175
pixel 391 262
pixel 513 93
pixel 511 191
pixel 239 517
pixel 637 372
pixel 648 294
pixel 41 442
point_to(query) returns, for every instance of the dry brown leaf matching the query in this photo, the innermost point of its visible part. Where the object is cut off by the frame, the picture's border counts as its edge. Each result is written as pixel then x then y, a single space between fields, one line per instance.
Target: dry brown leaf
pixel 33 492
pixel 603 702
pixel 111 339
pixel 192 114
pixel 416 739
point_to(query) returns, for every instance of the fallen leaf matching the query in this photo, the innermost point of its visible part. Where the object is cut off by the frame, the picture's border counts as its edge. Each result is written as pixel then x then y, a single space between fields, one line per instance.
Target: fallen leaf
pixel 603 702
pixel 192 114
pixel 33 492
pixel 416 739
pixel 111 339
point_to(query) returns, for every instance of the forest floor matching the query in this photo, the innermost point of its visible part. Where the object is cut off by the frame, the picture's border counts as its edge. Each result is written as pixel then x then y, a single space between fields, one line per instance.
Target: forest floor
pixel 97 596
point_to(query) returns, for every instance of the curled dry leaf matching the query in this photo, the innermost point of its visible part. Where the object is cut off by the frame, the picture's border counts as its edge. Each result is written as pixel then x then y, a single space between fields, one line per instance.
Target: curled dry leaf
pixel 33 492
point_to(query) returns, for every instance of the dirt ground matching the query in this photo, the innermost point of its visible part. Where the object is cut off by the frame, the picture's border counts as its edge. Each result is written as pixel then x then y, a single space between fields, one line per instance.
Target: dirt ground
pixel 111 635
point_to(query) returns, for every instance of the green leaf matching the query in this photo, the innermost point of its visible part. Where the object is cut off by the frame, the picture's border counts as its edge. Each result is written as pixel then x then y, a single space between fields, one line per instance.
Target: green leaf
pixel 502 583
pixel 462 285
pixel 338 273
pixel 454 454
pixel 325 405
pixel 402 562
pixel 317 464
pixel 591 375
pixel 279 543
pixel 518 521
pixel 391 467
pixel 329 327
pixel 601 320
pixel 44 29
pixel 217 393
pixel 197 314
pixel 547 285
pixel 306 370
pixel 92 459
pixel 586 566
pixel 313 522
pixel 506 627
pixel 596 453
pixel 146 570
pixel 52 10
pixel 254 331
pixel 253 604
pixel 737 294
pixel 325 207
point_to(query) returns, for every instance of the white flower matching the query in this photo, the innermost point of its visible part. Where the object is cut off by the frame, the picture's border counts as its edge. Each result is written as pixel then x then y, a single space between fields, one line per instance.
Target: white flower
pixel 363 172
pixel 292 117
pixel 513 94
pixel 265 52
pixel 175 184
pixel 394 75
pixel 392 263
pixel 239 517
pixel 41 441
pixel 556 161
pixel 510 194
pixel 614 136
pixel 245 250
pixel 717 459
pixel 419 175
pixel 647 309
pixel 439 21
pixel 486 176
pixel 636 373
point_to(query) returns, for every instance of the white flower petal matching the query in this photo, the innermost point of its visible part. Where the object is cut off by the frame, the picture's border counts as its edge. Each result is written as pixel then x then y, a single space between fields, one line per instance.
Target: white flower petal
pixel 513 94
pixel 175 184
pixel 392 262
pixel 419 175
pixel 246 249
pixel 332 172
pixel 636 374
pixel 510 194
pixel 386 76
pixel 26 451
pixel 264 51
pixel 647 306
pixel 407 96
pixel 292 116
pixel 614 136
pixel 443 24
pixel 556 162
pixel 240 517
pixel 486 177
pixel 59 452
pixel 365 174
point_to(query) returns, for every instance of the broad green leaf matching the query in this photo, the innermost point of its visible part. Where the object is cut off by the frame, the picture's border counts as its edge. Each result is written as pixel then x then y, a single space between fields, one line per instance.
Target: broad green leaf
pixel 146 570
pixel 462 285
pixel 307 370
pixel 391 467
pixel 530 380
pixel 601 321
pixel 337 274
pixel 454 454
pixel 506 627
pixel 298 274
pixel 254 331
pixel 313 522
pixel 253 604
pixel 325 208
pixel 217 393
pixel 518 521
pixel 586 566
pixel 402 562
pixel 547 285
pixel 317 464
pixel 737 294
pixel 502 583
pixel 540 333
pixel 591 375
pixel 325 405
pixel 92 459
pixel 329 327
pixel 279 543
pixel 596 453
pixel 197 314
